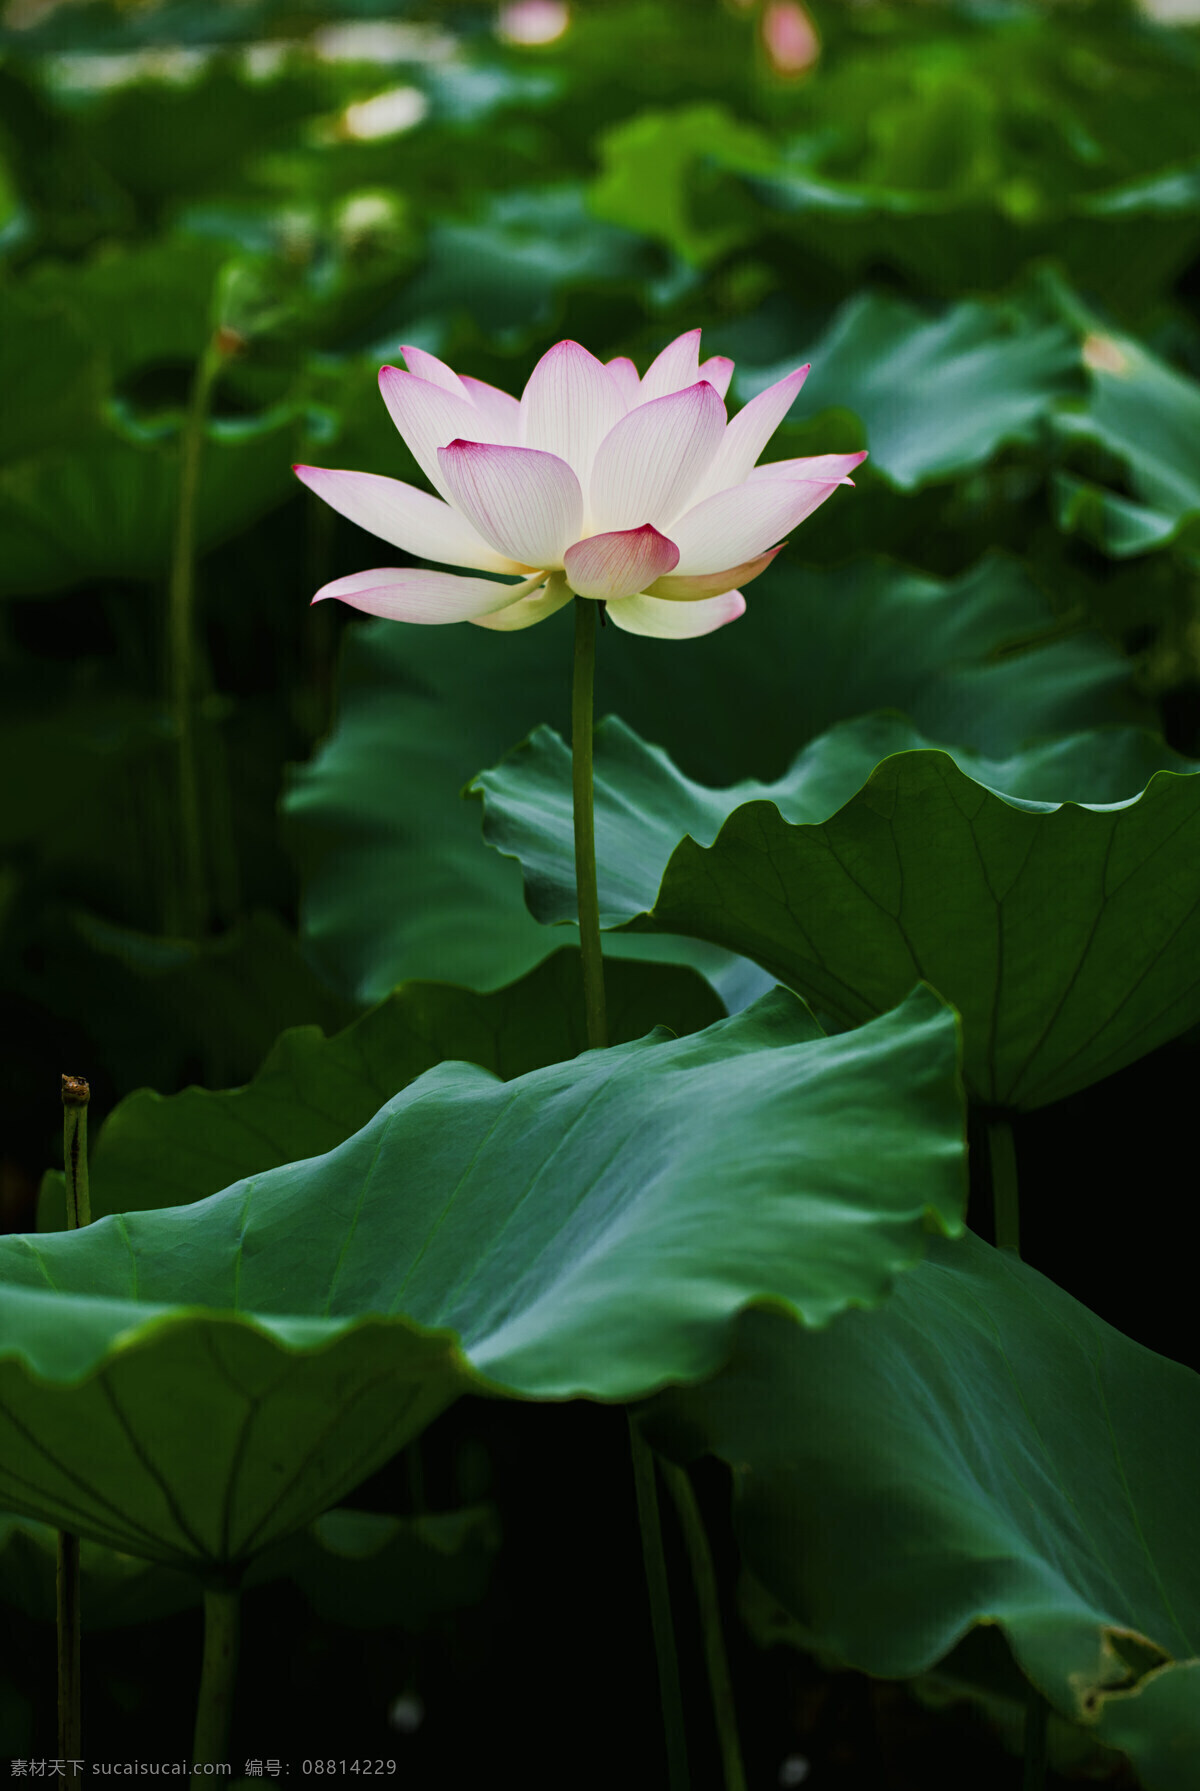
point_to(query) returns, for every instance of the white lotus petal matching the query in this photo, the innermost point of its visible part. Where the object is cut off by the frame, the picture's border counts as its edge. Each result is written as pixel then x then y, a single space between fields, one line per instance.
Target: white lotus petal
pixel 718 371
pixel 626 376
pixel 410 519
pixel 405 594
pixel 500 411
pixel 569 405
pixel 528 610
pixel 676 621
pixel 749 432
pixel 527 503
pixel 698 585
pixel 676 368
pixel 732 526
pixel 812 466
pixel 648 466
pixel 619 564
pixel 427 366
pixel 428 417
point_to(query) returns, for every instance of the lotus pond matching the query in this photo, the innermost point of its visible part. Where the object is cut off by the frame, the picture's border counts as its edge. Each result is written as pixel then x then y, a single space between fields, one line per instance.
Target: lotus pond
pixel 600 892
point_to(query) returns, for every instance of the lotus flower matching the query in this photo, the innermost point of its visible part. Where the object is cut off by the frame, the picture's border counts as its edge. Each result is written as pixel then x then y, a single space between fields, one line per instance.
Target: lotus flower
pixel 636 492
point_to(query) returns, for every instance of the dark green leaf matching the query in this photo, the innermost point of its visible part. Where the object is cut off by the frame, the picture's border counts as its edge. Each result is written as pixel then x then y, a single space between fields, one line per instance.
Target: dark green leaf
pixel 169 1009
pixel 312 1092
pixel 981 1450
pixel 355 1567
pixel 657 178
pixel 143 307
pixel 51 376
pixel 108 511
pixel 395 883
pixel 192 1384
pixel 1147 415
pixel 936 395
pixel 1064 932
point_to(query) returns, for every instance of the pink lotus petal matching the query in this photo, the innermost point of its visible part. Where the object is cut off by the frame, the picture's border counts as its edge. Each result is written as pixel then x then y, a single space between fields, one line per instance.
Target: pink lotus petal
pixel 626 376
pixel 677 367
pixel 528 610
pixel 789 37
pixel 749 432
pixel 731 526
pixel 676 621
pixel 812 466
pixel 404 594
pixel 569 405
pixel 533 21
pixel 527 503
pixel 718 371
pixel 501 412
pixel 619 564
pixel 410 519
pixel 427 366
pixel 648 465
pixel 428 417
pixel 709 584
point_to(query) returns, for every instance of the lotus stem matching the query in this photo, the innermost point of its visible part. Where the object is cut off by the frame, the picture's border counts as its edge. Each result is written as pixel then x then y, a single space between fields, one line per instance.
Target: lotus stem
pixel 75 1096
pixel 218 1673
pixel 190 904
pixel 582 685
pixel 678 1777
pixel 704 1579
pixel 585 835
pixel 1006 1216
pixel 76 1093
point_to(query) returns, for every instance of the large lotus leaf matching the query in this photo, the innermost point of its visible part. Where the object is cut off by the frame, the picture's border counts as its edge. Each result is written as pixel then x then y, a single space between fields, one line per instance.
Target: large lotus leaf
pixel 62 757
pixel 160 139
pixel 395 883
pixel 175 1008
pixel 51 375
pixel 661 174
pixel 1064 931
pixel 954 154
pixel 1147 415
pixel 146 306
pixel 958 244
pixel 192 1383
pixel 981 1450
pixel 1116 525
pixel 936 395
pixel 312 1092
pixel 108 510
pixel 506 269
pixel 361 1568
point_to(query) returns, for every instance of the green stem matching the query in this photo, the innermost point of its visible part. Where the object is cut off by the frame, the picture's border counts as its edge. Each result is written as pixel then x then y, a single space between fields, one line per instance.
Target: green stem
pixel 75 1096
pixel 188 910
pixel 585 835
pixel 1037 1721
pixel 1006 1216
pixel 597 1035
pixel 704 1578
pixel 218 1673
pixel 678 1777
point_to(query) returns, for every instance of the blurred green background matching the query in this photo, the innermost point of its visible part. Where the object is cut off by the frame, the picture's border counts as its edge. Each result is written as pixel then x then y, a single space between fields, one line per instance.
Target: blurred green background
pixel 981 223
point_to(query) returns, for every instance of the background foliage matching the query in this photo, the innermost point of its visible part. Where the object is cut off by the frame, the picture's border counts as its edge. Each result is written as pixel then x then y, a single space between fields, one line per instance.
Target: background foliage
pixel 982 226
